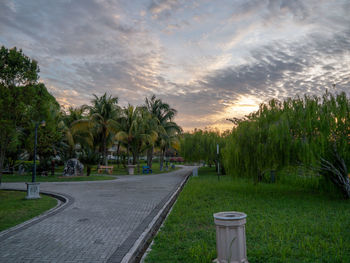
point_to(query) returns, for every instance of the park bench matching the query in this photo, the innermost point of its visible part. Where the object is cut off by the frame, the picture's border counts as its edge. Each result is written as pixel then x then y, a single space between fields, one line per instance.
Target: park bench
pixel 109 169
pixel 7 171
pixel 146 169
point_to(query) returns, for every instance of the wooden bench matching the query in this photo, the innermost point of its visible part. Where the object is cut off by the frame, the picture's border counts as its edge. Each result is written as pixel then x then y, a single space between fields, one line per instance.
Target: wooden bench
pixel 109 169
pixel 146 169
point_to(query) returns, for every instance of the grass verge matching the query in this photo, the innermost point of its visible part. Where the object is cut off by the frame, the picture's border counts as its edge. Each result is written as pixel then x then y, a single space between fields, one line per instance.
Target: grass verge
pixel 11 178
pixel 284 224
pixel 120 170
pixel 15 209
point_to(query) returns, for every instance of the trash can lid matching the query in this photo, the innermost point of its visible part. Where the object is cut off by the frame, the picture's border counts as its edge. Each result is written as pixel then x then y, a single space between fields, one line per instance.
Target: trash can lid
pixel 230 215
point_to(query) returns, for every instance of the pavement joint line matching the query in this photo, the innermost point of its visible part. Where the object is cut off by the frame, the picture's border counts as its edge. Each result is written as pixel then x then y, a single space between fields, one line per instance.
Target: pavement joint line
pixel 141 244
pixel 64 201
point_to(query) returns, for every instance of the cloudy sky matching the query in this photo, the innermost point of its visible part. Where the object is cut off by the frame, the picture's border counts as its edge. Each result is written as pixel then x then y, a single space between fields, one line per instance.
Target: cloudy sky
pixel 210 60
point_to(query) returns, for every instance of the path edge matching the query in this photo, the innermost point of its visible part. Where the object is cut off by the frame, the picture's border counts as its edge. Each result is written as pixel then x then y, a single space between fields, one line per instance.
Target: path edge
pixel 142 243
pixel 64 201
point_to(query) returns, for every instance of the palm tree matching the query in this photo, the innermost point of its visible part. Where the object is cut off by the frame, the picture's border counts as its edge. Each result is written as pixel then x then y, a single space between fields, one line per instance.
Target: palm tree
pixel 88 157
pixel 167 129
pixel 167 138
pixel 102 121
pixel 72 137
pixel 136 130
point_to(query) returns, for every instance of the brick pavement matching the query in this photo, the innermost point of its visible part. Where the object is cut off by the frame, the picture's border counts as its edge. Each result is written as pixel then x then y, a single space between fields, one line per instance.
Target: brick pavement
pixel 105 216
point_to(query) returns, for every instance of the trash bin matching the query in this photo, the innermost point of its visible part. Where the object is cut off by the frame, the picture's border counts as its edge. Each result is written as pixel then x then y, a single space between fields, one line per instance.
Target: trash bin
pixel 230 237
pixel 131 169
pixel 195 172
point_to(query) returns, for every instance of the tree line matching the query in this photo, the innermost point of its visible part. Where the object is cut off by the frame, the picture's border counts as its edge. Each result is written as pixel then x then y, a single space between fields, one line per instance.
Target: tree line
pixel 86 132
pixel 310 132
pixel 201 146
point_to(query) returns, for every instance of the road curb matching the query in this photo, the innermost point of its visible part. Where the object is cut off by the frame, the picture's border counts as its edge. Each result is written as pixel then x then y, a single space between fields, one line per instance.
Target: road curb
pixel 64 201
pixel 135 253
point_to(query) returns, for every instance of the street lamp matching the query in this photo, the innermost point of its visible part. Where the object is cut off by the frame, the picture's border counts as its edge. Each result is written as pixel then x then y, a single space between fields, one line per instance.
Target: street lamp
pixel 217 152
pixel 43 123
pixel 33 187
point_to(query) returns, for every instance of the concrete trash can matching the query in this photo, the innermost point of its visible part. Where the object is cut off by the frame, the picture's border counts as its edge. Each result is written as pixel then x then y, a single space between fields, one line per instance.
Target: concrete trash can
pixel 131 169
pixel 230 237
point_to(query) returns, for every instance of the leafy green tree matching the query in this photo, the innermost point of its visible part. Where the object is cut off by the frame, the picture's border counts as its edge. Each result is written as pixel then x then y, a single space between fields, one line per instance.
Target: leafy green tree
pixel 23 101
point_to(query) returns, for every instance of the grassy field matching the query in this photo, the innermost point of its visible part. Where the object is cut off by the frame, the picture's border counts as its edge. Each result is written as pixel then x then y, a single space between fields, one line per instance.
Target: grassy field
pixel 285 223
pixel 11 178
pixel 93 177
pixel 121 170
pixel 15 209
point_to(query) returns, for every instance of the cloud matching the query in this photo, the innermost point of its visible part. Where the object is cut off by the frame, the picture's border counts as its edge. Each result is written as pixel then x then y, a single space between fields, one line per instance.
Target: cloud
pixel 277 70
pixel 163 7
pixel 209 61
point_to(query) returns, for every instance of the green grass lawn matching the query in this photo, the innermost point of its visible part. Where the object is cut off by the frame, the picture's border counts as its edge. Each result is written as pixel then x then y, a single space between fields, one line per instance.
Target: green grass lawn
pixel 93 177
pixel 11 178
pixel 121 170
pixel 15 209
pixel 285 223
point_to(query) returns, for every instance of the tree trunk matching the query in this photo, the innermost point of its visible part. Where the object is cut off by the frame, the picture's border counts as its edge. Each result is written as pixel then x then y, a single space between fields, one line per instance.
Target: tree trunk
pixel 260 176
pixel 118 161
pixel 150 156
pixel 161 161
pixel 124 160
pixel 52 167
pixel 342 183
pixel 127 153
pixel 138 165
pixel 216 166
pixel 88 170
pixel 2 158
pixel 337 172
pixel 105 151
pixel 134 158
pixel 104 147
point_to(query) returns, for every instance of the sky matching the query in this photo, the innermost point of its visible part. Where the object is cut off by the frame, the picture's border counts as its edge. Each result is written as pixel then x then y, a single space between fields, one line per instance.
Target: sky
pixel 210 60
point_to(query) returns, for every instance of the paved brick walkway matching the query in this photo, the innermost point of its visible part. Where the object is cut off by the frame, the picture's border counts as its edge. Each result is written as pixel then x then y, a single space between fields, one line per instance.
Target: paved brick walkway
pixel 105 216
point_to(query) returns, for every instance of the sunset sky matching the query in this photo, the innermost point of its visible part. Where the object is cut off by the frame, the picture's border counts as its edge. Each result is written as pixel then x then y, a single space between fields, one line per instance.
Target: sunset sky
pixel 211 60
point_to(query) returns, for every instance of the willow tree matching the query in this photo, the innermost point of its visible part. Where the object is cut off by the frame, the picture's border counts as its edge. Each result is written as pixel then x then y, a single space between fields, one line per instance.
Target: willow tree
pixel 313 131
pixel 201 145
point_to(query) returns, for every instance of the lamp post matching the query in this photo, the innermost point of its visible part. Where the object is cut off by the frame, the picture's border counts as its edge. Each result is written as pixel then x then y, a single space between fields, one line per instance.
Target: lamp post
pixel 33 189
pixel 217 152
